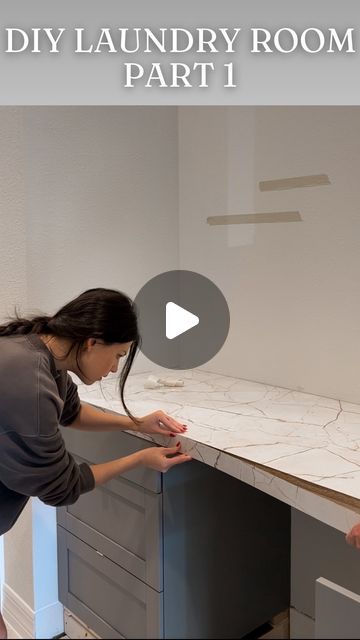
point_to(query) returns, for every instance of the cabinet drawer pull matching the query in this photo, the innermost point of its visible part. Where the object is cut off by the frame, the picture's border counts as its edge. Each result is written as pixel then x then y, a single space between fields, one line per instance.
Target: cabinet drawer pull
pixel 99 554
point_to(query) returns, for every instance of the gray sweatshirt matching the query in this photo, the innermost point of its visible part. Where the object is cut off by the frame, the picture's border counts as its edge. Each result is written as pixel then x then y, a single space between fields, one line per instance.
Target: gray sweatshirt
pixel 34 399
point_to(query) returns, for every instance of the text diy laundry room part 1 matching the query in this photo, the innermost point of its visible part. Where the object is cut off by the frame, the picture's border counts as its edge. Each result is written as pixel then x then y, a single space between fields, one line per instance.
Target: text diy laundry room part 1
pixel 189 53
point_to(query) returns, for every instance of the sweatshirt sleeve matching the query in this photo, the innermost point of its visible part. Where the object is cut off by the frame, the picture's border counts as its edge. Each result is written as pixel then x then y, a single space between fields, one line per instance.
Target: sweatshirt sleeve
pixel 34 460
pixel 41 466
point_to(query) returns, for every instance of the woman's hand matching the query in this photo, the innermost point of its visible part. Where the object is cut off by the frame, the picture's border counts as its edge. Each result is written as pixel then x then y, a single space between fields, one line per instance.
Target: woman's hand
pixel 353 537
pixel 158 458
pixel 160 422
pixel 163 458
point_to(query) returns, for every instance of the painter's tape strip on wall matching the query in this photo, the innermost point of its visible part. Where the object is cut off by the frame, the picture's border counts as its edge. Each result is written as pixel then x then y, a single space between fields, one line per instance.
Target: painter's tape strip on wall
pixel 295 183
pixel 255 218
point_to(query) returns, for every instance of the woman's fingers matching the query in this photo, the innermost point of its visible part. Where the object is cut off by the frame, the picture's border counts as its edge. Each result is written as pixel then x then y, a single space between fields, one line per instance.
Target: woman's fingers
pixel 354 541
pixel 163 458
pixel 171 423
pixel 182 457
pixel 176 457
pixel 171 450
pixel 353 536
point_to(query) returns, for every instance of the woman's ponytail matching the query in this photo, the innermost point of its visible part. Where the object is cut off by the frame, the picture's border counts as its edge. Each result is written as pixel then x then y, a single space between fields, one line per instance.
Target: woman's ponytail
pixel 21 326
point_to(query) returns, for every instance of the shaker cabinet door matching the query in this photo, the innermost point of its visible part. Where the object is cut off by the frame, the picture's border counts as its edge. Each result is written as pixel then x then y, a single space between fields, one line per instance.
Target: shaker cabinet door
pixel 107 598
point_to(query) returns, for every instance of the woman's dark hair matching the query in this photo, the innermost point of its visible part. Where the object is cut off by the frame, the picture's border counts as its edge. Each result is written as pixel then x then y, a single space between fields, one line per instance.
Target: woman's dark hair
pixel 104 314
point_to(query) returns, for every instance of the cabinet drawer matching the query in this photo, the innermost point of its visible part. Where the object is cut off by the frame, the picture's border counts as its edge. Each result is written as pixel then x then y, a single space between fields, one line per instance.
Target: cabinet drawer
pixel 319 550
pixel 101 447
pixel 107 598
pixel 124 522
pixel 337 611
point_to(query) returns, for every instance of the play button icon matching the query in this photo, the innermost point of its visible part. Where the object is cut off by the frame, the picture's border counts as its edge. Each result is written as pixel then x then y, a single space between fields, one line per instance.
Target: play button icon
pixel 178 320
pixel 183 319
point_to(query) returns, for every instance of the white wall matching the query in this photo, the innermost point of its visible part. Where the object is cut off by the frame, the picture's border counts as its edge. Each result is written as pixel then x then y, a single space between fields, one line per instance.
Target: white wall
pixel 292 288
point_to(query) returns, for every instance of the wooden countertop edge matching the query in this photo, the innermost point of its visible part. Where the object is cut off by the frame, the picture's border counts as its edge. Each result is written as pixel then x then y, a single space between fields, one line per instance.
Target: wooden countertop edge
pixel 339 498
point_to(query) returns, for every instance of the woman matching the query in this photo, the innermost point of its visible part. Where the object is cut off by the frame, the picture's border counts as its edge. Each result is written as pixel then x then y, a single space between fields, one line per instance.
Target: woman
pixel 87 336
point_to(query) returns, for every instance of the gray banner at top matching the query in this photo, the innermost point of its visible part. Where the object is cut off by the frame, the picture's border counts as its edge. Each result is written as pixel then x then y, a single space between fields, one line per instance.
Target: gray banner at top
pixel 190 52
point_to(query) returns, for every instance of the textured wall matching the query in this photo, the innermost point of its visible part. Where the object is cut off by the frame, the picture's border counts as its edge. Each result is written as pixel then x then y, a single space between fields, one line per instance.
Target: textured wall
pixel 102 205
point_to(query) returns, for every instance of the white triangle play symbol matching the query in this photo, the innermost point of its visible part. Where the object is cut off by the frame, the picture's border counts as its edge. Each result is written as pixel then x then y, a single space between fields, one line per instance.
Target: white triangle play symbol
pixel 178 320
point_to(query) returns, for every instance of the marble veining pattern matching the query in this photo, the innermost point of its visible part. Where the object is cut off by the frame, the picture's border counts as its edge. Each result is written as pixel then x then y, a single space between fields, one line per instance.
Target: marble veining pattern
pixel 235 423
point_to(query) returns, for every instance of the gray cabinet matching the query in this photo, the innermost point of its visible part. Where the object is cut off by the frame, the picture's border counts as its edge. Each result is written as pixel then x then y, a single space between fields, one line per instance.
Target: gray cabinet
pixel 337 611
pixel 319 556
pixel 192 553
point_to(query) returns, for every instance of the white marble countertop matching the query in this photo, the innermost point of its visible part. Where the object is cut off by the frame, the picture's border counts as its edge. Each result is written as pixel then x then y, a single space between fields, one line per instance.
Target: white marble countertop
pixel 301 448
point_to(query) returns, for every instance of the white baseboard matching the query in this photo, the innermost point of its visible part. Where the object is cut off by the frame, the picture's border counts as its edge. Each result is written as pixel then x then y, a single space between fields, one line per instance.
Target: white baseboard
pixel 12 635
pixel 27 623
pixel 17 613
